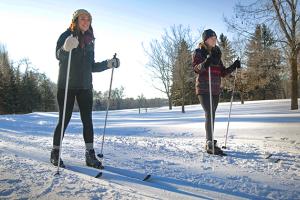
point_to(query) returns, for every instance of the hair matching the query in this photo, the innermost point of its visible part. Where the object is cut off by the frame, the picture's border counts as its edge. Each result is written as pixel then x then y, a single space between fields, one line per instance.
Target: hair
pixel 202 45
pixel 74 27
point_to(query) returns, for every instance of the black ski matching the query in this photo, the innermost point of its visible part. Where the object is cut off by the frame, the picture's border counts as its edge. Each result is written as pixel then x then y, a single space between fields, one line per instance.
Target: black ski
pixel 270 158
pixel 128 173
pixel 90 171
pixel 277 160
pixel 219 154
pixel 147 177
pixel 99 175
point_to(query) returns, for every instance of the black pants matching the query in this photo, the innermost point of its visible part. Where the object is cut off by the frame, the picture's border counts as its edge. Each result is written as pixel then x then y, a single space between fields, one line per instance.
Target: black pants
pixel 205 103
pixel 85 102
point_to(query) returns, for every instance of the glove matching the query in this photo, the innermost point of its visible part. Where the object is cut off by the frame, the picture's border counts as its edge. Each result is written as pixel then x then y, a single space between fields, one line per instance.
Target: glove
pixel 70 43
pixel 207 62
pixel 216 56
pixel 236 64
pixel 113 63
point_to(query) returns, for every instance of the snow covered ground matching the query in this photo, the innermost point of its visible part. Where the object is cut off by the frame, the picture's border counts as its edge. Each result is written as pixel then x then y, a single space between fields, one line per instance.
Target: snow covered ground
pixel 167 144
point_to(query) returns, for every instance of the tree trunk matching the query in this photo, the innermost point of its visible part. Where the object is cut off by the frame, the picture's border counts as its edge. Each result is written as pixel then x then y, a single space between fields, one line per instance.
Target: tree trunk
pixel 182 99
pixel 182 104
pixel 170 102
pixel 242 97
pixel 294 88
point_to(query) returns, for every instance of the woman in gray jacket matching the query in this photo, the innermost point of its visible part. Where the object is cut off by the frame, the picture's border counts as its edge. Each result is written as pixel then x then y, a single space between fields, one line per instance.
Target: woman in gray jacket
pixel 79 38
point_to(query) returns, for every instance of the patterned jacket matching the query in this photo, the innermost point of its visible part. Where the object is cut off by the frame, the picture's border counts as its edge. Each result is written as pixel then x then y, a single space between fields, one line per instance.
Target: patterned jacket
pixel 217 70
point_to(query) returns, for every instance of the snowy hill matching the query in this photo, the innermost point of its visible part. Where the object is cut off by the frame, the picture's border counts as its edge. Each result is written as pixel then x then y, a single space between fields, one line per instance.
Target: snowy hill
pixel 167 144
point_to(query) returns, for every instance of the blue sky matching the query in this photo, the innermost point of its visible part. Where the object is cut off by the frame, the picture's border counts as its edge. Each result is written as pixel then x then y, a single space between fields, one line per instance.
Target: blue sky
pixel 31 28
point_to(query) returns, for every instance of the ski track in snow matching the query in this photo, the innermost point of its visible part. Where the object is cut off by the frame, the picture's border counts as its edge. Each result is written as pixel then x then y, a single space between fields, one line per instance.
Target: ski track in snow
pixel 167 144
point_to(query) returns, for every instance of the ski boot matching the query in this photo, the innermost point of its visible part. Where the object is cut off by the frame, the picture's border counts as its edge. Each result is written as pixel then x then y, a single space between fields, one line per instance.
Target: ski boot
pixel 91 160
pixel 54 158
pixel 209 148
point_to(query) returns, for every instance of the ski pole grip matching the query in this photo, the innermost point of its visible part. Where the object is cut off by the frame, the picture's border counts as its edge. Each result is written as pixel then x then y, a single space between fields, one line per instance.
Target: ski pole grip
pixel 115 57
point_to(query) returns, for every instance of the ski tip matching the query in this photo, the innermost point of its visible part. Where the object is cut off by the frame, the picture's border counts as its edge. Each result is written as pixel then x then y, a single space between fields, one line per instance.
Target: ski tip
pixel 277 160
pixel 57 173
pixel 147 177
pixel 268 156
pixel 98 175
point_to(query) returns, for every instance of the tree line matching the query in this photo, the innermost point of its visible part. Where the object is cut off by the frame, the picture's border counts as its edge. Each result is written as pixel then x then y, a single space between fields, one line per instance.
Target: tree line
pixel 267 41
pixel 28 90
pixel 23 92
pixel 118 101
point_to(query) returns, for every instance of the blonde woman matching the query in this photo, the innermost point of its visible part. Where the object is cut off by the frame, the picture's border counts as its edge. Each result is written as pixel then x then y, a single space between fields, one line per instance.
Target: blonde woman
pixel 79 40
pixel 208 55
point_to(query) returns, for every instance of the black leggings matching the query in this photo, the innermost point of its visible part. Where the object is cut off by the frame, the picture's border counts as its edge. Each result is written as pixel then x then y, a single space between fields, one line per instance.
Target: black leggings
pixel 205 103
pixel 84 99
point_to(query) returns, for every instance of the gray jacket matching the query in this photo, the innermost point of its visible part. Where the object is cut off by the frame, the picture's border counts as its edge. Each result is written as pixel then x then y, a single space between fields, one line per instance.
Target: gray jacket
pixel 82 64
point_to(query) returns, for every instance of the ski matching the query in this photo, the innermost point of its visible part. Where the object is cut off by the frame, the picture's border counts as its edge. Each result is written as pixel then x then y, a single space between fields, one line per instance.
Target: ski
pixel 148 176
pixel 220 155
pixel 128 173
pixel 223 154
pixel 270 158
pixel 277 160
pixel 100 173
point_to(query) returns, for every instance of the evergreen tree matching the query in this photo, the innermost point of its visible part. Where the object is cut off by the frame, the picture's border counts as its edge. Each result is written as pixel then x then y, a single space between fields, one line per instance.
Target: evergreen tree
pixel 7 84
pixel 47 94
pixel 18 80
pixel 2 111
pixel 228 57
pixel 263 65
pixel 183 87
pixel 30 94
pixel 12 90
pixel 23 92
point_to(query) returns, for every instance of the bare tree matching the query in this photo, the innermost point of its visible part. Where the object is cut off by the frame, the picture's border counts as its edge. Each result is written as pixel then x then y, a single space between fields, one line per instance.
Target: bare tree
pixel 142 102
pixel 242 80
pixel 117 95
pixel 161 68
pixel 162 57
pixel 284 17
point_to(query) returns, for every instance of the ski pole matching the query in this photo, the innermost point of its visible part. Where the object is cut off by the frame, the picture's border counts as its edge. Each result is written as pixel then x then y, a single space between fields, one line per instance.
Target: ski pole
pixel 64 111
pixel 211 111
pixel 229 115
pixel 100 155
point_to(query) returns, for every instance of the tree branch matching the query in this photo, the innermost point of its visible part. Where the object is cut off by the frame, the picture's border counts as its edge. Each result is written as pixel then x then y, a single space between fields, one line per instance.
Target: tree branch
pixel 282 25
